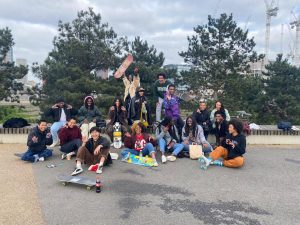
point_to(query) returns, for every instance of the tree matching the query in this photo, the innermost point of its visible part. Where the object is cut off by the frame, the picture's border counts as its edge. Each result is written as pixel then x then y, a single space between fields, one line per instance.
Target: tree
pixel 9 73
pixel 282 87
pixel 217 51
pixel 82 48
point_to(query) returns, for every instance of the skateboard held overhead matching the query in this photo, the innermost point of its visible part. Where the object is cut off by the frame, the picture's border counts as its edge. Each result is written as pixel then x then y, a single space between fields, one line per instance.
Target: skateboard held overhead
pixel 125 64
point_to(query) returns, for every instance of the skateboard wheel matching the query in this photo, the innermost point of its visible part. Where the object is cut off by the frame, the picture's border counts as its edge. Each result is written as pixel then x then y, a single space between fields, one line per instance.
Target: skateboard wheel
pixel 88 188
pixel 64 183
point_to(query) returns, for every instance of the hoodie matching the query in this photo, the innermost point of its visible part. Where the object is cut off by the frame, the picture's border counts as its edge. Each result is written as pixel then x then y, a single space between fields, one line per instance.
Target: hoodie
pixel 88 113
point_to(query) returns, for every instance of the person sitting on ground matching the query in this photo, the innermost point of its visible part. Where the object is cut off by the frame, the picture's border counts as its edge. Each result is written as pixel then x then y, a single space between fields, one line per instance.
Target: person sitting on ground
pixel 159 89
pixel 192 134
pixel 93 150
pixel 202 117
pixel 139 110
pixel 168 139
pixel 60 112
pixel 117 113
pixel 88 115
pixel 231 151
pixel 139 143
pixel 171 104
pixel 70 139
pixel 221 127
pixel 37 141
pixel 219 107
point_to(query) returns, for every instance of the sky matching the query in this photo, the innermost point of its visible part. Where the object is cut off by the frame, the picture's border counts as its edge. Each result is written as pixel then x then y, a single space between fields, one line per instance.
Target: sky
pixel 164 24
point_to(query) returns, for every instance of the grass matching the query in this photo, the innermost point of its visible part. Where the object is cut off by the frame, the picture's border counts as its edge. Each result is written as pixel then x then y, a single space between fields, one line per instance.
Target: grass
pixel 8 112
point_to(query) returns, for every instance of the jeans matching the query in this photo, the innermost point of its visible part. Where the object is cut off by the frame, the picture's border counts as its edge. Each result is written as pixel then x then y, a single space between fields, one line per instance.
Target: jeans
pixel 159 108
pixel 176 149
pixel 28 156
pixel 146 151
pixel 71 146
pixel 205 150
pixel 55 128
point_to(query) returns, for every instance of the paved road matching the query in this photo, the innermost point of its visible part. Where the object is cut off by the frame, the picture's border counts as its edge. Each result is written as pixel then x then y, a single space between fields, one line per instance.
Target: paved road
pixel 265 191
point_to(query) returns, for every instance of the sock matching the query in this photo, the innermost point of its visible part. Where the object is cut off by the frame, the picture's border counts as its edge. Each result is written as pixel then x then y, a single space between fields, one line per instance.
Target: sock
pixel 101 164
pixel 78 165
pixel 217 163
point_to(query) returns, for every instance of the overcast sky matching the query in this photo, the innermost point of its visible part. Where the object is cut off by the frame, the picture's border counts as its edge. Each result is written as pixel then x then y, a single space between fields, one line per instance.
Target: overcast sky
pixel 165 23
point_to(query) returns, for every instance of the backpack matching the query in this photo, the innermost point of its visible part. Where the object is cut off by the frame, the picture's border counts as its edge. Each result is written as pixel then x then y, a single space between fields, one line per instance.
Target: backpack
pixel 286 126
pixel 15 123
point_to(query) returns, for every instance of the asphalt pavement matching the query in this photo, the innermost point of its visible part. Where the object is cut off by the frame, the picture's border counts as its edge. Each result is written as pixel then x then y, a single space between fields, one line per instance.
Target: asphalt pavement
pixel 264 191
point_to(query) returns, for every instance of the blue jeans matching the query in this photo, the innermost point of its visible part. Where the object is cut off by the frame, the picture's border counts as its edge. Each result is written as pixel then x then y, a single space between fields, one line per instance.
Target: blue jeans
pixel 205 150
pixel 146 151
pixel 71 146
pixel 55 128
pixel 176 149
pixel 28 156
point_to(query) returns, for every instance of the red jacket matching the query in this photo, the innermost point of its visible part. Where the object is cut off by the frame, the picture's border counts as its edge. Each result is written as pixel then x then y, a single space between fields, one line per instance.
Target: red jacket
pixel 67 134
pixel 129 142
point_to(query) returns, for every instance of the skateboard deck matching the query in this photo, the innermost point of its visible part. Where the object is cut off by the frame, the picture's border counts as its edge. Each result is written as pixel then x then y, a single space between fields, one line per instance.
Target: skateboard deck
pixel 125 64
pixel 142 161
pixel 66 179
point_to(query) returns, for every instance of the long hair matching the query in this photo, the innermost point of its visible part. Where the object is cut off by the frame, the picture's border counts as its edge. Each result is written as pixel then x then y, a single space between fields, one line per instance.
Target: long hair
pixel 140 125
pixel 115 100
pixel 85 102
pixel 192 128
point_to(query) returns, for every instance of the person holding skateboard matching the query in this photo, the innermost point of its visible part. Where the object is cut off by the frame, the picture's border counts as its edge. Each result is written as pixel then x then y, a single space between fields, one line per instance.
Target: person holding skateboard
pixel 88 115
pixel 60 112
pixel 37 141
pixel 139 143
pixel 131 83
pixel 232 149
pixel 117 113
pixel 159 89
pixel 171 104
pixel 70 139
pixel 93 150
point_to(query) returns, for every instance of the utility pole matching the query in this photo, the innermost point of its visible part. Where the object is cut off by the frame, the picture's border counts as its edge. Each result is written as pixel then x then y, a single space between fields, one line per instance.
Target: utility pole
pixel 296 24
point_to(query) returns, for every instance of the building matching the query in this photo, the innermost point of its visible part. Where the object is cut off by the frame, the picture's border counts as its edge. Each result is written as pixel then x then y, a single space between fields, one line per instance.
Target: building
pixel 22 62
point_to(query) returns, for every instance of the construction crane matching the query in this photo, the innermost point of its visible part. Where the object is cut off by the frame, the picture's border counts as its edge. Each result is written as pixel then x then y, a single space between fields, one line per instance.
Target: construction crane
pixel 296 24
pixel 271 11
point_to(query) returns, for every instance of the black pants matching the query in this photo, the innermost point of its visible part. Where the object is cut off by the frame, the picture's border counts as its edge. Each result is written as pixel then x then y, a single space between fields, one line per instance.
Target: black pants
pixel 71 146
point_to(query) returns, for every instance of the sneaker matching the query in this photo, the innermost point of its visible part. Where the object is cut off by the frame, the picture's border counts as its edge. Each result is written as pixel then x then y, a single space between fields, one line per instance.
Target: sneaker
pixel 126 157
pixel 69 155
pixel 99 170
pixel 63 156
pixel 204 162
pixel 54 144
pixel 155 163
pixel 163 159
pixel 217 163
pixel 41 159
pixel 78 170
pixel 171 158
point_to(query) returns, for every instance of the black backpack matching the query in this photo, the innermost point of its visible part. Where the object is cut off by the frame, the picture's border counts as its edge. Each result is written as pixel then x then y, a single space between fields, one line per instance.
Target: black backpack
pixel 284 125
pixel 15 123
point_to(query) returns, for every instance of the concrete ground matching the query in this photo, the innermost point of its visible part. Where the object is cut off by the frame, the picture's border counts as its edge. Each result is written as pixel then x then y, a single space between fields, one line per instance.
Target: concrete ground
pixel 264 191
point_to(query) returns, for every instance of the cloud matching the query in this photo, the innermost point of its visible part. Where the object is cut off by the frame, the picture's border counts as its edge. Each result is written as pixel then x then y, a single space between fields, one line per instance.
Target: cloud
pixel 165 24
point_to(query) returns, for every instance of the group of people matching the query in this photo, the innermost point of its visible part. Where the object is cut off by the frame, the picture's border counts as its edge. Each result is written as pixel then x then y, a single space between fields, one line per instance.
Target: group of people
pixel 79 136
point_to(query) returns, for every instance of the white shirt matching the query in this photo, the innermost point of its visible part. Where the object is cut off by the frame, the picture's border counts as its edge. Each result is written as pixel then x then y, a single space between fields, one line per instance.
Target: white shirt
pixel 63 117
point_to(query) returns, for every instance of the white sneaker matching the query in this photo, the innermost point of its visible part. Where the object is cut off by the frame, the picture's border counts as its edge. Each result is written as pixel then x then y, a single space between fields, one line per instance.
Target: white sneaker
pixel 171 158
pixel 41 159
pixel 99 170
pixel 78 170
pixel 163 159
pixel 155 163
pixel 53 144
pixel 63 156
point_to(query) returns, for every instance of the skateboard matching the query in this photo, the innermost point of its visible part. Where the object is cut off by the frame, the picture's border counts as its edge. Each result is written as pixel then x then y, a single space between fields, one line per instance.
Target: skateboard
pixel 142 161
pixel 125 64
pixel 66 179
pixel 117 135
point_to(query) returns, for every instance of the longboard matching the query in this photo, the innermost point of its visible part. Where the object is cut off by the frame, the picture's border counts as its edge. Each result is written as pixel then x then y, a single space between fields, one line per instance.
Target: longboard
pixel 125 64
pixel 142 161
pixel 66 179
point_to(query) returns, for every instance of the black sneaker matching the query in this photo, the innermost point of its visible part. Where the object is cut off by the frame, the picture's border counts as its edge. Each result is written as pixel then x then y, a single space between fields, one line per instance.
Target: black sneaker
pixel 77 171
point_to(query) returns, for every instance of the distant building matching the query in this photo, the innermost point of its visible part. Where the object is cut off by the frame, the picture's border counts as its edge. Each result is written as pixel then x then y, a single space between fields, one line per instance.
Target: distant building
pixel 22 62
pixel 179 67
pixel 9 56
